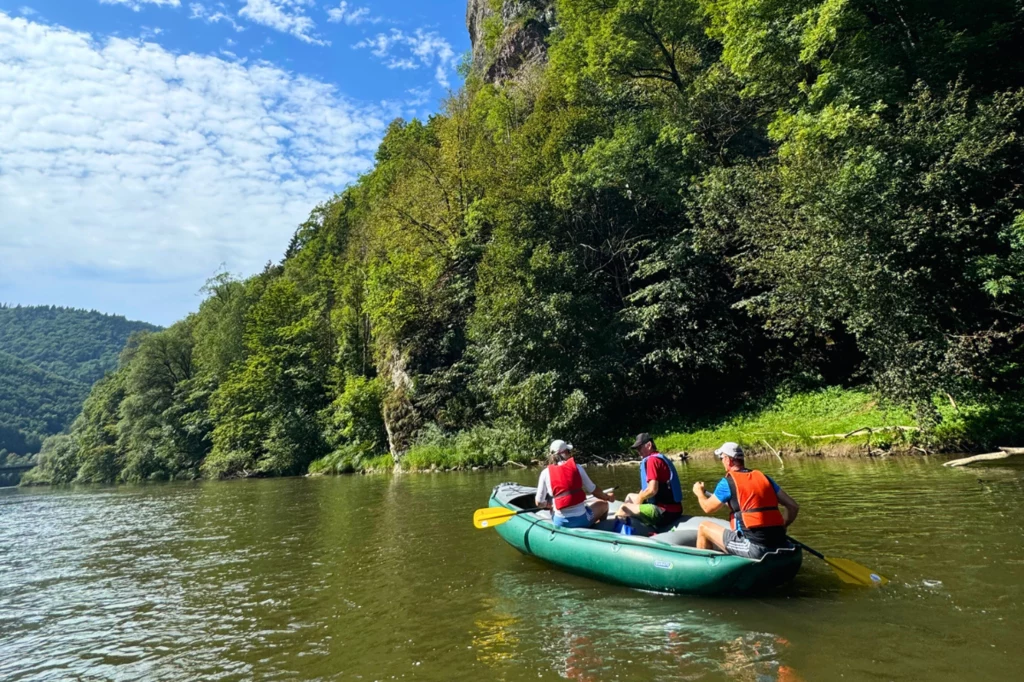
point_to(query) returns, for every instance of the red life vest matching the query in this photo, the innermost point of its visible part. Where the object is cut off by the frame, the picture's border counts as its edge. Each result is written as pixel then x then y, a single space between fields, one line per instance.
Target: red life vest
pixel 566 484
pixel 753 498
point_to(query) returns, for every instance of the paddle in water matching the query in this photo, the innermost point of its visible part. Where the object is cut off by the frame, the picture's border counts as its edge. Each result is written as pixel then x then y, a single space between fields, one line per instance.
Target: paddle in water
pixel 848 571
pixel 489 517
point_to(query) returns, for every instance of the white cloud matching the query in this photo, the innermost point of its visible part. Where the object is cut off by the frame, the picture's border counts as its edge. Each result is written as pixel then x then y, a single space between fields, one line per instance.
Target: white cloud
pixel 125 167
pixel 148 32
pixel 351 17
pixel 287 16
pixel 419 96
pixel 199 11
pixel 404 63
pixel 27 11
pixel 137 4
pixel 421 48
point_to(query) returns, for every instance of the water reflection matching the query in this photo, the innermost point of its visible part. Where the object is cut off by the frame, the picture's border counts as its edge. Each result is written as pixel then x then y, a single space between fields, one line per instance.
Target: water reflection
pixel 583 632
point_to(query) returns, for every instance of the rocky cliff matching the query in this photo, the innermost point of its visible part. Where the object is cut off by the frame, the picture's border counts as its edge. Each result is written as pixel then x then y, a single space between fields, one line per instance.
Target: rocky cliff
pixel 508 35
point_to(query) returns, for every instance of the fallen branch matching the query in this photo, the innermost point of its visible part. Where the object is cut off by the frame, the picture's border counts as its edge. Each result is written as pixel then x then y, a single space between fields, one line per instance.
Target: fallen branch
pixel 869 429
pixel 518 464
pixel 987 457
pixel 774 452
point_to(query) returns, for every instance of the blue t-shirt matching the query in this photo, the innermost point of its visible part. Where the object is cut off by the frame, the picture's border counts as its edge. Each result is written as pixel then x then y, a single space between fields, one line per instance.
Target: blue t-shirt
pixel 723 493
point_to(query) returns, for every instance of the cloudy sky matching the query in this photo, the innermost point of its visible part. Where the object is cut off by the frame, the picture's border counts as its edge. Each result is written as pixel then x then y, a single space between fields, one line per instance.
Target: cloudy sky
pixel 146 145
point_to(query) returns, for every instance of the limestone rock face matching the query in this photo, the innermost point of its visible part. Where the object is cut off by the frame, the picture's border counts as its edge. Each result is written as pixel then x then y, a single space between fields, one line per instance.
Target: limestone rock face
pixel 508 35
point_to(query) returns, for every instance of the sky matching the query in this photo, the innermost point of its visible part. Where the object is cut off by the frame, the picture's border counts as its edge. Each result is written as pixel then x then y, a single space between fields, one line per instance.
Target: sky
pixel 147 145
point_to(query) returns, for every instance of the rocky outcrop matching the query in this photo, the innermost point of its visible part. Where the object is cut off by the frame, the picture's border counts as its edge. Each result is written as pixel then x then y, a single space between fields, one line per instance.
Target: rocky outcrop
pixel 508 35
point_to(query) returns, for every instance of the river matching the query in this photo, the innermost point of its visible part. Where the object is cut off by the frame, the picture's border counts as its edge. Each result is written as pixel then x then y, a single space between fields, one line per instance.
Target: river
pixel 384 578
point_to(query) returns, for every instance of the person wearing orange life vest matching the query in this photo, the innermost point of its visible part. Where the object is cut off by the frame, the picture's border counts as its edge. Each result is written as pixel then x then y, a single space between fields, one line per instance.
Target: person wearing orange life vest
pixel 563 487
pixel 753 499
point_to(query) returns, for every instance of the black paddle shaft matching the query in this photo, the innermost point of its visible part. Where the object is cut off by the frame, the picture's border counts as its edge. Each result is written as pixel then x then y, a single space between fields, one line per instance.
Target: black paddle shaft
pixel 803 546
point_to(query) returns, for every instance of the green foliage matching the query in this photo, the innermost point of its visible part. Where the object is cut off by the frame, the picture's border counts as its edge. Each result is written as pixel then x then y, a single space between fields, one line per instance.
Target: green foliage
pixel 693 204
pixel 265 411
pixel 33 403
pixel 78 345
pixel 355 417
pixel 786 420
pixel 49 357
pixel 478 446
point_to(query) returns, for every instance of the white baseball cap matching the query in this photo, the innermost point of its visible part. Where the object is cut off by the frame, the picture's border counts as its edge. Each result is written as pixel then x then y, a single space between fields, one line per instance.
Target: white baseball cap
pixel 730 449
pixel 559 446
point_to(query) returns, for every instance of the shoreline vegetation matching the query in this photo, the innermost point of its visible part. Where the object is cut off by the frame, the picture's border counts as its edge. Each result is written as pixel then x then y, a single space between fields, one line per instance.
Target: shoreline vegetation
pixel 833 422
pixel 711 209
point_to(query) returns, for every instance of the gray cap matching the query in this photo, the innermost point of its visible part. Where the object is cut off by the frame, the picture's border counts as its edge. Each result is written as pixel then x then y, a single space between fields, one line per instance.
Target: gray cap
pixel 730 449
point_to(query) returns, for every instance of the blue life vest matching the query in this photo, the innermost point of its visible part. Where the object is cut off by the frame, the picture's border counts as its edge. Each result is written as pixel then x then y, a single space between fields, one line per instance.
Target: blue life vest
pixel 673 481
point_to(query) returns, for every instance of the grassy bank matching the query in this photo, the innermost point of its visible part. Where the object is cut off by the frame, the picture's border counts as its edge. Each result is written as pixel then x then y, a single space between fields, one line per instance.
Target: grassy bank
pixel 833 421
pixel 853 421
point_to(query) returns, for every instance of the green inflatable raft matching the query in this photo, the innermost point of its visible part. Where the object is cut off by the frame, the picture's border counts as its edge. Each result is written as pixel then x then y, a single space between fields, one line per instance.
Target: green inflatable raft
pixel 666 562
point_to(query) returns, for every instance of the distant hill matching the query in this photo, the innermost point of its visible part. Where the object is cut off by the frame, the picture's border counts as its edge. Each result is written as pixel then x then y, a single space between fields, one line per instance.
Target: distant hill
pixel 49 358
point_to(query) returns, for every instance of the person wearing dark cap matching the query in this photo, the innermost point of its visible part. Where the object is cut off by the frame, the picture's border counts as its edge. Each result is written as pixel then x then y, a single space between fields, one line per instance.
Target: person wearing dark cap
pixel 757 524
pixel 659 503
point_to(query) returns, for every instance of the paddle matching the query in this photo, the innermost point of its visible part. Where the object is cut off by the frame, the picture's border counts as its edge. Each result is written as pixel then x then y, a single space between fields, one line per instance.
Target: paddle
pixel 489 517
pixel 848 571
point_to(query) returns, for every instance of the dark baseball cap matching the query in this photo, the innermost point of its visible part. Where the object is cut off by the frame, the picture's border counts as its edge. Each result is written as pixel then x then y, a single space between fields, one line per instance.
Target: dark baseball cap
pixel 640 440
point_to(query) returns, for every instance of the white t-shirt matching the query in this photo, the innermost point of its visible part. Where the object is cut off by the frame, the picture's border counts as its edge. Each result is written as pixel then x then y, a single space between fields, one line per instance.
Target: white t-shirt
pixel 544 492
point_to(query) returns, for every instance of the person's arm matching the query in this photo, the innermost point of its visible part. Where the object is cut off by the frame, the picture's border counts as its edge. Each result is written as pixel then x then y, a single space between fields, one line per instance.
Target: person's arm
pixel 543 490
pixel 792 508
pixel 709 504
pixel 649 492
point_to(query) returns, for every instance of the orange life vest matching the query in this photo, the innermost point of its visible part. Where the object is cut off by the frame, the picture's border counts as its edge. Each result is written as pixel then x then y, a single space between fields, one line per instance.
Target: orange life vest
pixel 753 498
pixel 566 484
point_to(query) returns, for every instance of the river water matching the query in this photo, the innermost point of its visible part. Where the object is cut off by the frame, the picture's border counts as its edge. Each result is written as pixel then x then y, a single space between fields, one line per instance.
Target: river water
pixel 384 578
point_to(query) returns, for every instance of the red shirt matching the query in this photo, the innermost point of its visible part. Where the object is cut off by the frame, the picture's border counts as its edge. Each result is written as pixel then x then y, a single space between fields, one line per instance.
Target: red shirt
pixel 658 471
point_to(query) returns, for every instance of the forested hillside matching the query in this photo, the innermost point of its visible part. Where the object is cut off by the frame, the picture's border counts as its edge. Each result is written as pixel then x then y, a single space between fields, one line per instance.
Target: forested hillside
pixel 49 358
pixel 78 345
pixel 689 205
pixel 33 404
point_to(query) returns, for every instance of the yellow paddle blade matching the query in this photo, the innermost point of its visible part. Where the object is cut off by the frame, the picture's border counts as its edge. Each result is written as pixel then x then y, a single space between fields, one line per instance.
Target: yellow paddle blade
pixel 853 573
pixel 488 517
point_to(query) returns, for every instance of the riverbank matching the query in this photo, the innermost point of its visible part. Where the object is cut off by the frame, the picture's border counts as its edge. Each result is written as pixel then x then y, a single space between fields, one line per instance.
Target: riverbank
pixel 832 422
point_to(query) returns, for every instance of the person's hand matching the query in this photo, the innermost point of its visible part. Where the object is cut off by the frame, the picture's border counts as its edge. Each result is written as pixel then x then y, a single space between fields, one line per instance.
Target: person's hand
pixel 698 489
pixel 610 496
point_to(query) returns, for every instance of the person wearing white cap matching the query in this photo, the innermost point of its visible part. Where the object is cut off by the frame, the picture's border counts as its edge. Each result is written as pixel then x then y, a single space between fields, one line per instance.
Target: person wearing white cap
pixel 757 525
pixel 563 488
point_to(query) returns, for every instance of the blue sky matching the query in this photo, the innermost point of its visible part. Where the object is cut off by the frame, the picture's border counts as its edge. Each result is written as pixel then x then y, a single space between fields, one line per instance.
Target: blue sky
pixel 146 145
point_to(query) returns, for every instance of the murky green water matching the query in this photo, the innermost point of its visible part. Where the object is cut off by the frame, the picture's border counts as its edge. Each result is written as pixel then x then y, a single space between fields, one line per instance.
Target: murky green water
pixel 380 578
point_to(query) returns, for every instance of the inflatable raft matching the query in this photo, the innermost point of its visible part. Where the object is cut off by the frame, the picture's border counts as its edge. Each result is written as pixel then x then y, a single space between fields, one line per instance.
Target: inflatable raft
pixel 665 562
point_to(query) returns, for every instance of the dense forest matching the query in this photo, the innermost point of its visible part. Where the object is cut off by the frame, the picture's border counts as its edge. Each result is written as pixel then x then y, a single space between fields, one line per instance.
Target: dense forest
pixel 49 359
pixel 689 204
